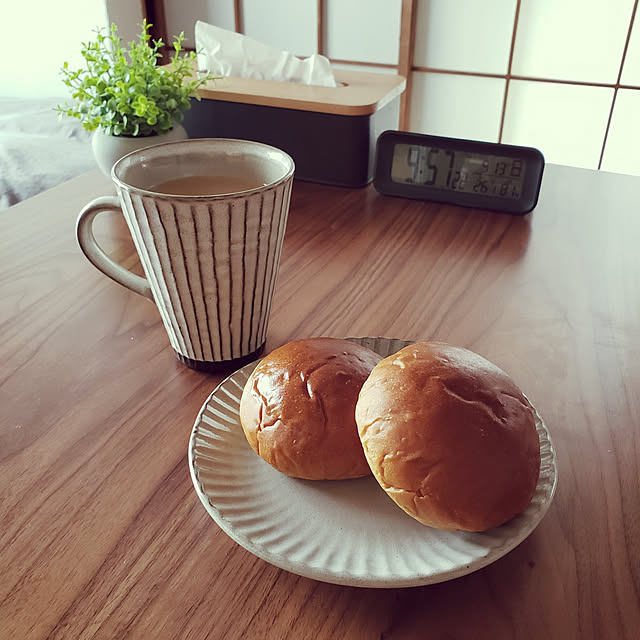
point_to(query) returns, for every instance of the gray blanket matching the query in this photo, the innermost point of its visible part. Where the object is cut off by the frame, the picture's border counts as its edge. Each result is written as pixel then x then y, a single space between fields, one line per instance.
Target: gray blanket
pixel 37 149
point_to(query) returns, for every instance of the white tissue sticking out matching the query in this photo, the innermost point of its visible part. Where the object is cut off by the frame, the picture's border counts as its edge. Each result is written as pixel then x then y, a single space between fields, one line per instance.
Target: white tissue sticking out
pixel 226 53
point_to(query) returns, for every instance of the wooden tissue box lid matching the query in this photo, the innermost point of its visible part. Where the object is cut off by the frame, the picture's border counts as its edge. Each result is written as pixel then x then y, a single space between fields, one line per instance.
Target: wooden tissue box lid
pixel 359 93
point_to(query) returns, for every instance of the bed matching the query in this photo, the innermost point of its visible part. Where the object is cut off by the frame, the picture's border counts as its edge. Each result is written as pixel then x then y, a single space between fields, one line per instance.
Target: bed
pixel 37 149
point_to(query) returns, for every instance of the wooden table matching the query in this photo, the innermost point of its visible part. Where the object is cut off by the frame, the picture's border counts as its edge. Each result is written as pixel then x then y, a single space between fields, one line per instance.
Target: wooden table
pixel 102 533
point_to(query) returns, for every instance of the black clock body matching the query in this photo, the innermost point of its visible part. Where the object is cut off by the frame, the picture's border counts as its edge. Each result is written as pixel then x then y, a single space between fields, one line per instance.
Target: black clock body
pixel 486 175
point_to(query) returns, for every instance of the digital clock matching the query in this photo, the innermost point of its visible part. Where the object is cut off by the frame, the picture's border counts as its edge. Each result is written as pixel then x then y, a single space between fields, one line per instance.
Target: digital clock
pixel 485 175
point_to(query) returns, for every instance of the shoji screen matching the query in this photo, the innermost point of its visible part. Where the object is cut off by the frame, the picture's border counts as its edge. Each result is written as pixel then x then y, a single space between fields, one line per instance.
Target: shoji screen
pixel 561 75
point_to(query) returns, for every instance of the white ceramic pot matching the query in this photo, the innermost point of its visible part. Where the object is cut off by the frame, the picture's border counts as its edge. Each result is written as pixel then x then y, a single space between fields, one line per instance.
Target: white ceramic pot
pixel 108 149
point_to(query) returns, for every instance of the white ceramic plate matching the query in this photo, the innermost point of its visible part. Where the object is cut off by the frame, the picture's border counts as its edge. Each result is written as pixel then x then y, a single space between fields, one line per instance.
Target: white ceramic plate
pixel 345 532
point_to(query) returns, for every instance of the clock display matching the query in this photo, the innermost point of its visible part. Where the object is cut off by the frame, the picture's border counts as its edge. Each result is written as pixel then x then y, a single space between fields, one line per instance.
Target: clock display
pixel 442 168
pixel 469 173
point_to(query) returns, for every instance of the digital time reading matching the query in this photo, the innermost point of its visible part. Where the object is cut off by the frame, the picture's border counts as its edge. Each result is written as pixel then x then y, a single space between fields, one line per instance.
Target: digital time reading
pixel 486 175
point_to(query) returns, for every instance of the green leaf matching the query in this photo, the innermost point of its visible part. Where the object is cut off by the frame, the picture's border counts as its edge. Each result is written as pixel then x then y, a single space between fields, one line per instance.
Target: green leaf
pixel 122 90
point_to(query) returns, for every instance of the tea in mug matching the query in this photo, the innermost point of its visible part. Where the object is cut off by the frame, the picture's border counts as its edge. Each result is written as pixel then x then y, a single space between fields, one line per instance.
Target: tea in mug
pixel 206 185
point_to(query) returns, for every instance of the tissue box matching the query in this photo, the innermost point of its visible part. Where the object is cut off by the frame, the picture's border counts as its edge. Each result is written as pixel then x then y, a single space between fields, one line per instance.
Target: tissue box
pixel 330 132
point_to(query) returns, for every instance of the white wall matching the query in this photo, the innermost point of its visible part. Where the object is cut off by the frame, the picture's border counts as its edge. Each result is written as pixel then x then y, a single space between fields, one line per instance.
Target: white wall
pixel 41 35
pixel 38 36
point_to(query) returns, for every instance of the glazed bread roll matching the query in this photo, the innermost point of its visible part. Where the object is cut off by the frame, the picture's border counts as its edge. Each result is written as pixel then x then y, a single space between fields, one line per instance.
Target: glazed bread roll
pixel 449 436
pixel 298 408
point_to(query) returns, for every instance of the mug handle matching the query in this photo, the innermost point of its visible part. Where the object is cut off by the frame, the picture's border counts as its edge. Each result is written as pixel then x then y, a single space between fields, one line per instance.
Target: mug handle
pixel 94 253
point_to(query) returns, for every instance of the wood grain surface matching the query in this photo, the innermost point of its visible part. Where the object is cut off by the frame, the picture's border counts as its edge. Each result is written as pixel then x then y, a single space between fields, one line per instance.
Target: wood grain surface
pixel 357 93
pixel 102 533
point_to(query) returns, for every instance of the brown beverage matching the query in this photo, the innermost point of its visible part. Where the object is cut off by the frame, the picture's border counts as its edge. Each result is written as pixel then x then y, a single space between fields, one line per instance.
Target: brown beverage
pixel 206 185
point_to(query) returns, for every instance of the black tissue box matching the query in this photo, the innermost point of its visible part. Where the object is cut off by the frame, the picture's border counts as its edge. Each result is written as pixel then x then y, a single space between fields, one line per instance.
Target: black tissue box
pixel 330 132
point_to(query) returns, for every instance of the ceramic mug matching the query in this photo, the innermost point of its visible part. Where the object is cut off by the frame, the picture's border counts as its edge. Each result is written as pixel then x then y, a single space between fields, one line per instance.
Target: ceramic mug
pixel 207 217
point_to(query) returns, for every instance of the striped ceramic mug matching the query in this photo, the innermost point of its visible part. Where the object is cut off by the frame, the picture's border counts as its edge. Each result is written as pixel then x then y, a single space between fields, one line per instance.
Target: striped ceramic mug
pixel 207 217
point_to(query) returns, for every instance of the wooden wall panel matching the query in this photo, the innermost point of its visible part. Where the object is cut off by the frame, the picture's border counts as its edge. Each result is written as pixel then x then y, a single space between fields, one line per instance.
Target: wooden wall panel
pixel 405 57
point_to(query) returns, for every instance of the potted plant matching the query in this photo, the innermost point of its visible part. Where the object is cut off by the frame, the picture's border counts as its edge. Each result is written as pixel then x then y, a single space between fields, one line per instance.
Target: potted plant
pixel 125 97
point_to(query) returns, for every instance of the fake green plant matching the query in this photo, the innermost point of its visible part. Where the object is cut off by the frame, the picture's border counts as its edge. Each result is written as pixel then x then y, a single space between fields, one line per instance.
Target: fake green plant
pixel 124 92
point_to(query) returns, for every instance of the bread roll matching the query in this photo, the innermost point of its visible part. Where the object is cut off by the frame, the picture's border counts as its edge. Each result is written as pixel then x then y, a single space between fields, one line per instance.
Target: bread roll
pixel 449 436
pixel 298 408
